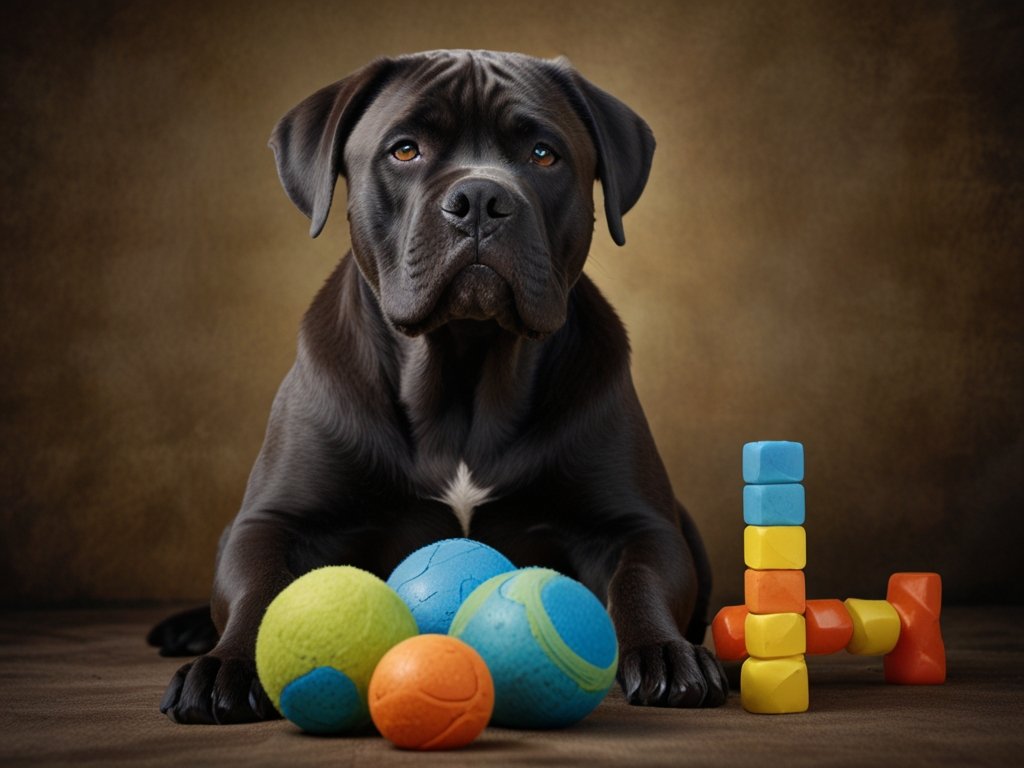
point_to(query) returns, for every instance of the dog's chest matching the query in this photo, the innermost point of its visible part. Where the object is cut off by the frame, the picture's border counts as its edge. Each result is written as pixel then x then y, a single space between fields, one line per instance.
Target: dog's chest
pixel 463 495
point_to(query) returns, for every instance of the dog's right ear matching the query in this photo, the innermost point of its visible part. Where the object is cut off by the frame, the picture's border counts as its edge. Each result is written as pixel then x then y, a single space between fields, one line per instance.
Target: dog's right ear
pixel 308 142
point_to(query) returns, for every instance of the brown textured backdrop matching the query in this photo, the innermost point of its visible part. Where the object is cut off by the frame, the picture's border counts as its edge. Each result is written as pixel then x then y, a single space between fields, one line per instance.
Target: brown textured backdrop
pixel 829 250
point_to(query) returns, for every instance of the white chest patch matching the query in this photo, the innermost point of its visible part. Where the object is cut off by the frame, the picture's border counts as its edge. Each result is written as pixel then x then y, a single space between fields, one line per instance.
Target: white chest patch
pixel 464 496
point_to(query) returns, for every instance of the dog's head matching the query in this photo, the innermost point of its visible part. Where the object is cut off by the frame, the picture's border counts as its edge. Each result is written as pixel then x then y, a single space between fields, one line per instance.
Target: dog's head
pixel 470 178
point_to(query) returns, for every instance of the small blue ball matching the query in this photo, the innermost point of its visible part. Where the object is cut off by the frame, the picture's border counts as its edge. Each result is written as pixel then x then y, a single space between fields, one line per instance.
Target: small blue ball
pixel 436 579
pixel 549 643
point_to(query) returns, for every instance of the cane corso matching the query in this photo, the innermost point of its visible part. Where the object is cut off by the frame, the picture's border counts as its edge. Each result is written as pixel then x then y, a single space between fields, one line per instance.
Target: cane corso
pixel 458 374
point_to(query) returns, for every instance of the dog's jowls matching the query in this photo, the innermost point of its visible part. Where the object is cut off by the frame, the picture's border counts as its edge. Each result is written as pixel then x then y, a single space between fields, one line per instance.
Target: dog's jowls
pixel 458 374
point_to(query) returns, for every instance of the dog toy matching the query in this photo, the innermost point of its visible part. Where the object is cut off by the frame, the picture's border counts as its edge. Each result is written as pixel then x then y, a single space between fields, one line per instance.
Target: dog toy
pixel 777 625
pixel 436 579
pixel 774 678
pixel 548 642
pixel 431 692
pixel 319 642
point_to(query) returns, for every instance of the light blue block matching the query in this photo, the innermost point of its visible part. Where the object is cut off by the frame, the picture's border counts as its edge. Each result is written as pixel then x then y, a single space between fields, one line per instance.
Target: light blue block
pixel 777 504
pixel 773 461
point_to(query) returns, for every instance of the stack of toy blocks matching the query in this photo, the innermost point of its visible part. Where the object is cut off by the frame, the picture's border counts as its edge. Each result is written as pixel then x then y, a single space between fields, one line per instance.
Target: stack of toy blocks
pixel 774 677
pixel 776 626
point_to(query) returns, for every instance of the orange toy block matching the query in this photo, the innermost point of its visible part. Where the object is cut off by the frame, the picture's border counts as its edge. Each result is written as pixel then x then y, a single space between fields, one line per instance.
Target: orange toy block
pixel 829 626
pixel 919 657
pixel 780 591
pixel 728 632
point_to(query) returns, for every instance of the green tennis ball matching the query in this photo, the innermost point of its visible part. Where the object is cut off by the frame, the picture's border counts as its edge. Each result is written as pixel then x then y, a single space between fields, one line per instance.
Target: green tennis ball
pixel 321 639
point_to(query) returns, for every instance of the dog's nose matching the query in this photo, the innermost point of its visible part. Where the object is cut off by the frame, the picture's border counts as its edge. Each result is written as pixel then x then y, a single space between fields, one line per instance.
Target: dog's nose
pixel 477 207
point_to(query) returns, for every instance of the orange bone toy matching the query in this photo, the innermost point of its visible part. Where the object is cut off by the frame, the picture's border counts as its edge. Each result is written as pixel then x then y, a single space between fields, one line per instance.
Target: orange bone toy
pixel 919 657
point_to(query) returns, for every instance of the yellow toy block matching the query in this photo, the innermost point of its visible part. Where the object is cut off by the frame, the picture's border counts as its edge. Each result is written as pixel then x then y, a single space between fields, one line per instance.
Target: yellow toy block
pixel 768 547
pixel 775 635
pixel 876 627
pixel 774 686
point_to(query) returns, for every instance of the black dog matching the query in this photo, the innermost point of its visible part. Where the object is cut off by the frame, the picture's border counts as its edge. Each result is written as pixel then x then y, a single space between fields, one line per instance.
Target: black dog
pixel 458 375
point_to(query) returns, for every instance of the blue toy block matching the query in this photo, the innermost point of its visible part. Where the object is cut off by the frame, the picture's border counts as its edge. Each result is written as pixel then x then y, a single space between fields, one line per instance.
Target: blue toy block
pixel 773 461
pixel 778 504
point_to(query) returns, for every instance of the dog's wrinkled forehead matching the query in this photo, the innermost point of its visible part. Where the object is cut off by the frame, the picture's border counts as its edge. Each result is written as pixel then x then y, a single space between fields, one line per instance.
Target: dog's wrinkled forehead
pixel 474 95
pixel 484 95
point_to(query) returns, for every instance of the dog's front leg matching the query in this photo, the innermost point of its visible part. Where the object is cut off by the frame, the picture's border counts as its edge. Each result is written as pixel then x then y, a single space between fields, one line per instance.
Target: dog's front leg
pixel 651 596
pixel 221 686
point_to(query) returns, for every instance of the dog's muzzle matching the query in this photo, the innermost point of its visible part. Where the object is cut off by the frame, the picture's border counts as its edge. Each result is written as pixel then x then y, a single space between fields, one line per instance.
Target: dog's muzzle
pixel 477 252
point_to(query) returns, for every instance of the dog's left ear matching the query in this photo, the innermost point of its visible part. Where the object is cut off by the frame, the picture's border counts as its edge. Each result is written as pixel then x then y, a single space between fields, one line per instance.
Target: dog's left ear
pixel 624 142
pixel 309 140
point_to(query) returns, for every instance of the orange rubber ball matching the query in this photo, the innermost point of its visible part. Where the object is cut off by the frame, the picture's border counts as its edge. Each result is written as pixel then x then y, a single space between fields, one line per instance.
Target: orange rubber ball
pixel 431 692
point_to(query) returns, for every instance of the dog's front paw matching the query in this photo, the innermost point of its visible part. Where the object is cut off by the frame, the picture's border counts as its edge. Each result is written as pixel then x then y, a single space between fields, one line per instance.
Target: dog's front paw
pixel 672 674
pixel 215 689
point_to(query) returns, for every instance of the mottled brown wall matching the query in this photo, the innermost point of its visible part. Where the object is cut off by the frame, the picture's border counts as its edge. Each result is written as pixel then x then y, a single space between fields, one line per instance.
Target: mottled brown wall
pixel 829 250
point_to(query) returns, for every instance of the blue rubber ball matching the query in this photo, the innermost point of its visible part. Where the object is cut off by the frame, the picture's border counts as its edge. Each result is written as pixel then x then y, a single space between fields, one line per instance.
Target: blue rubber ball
pixel 436 579
pixel 549 643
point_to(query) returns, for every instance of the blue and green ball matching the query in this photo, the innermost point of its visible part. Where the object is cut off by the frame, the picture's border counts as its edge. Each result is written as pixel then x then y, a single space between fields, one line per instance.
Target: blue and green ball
pixel 549 643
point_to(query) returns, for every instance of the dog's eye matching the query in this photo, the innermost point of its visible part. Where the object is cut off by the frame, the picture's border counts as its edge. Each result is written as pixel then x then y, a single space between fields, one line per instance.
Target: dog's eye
pixel 543 155
pixel 405 151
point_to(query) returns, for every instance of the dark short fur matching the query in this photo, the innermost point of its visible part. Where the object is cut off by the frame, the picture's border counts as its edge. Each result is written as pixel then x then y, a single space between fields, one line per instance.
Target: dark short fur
pixel 460 330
